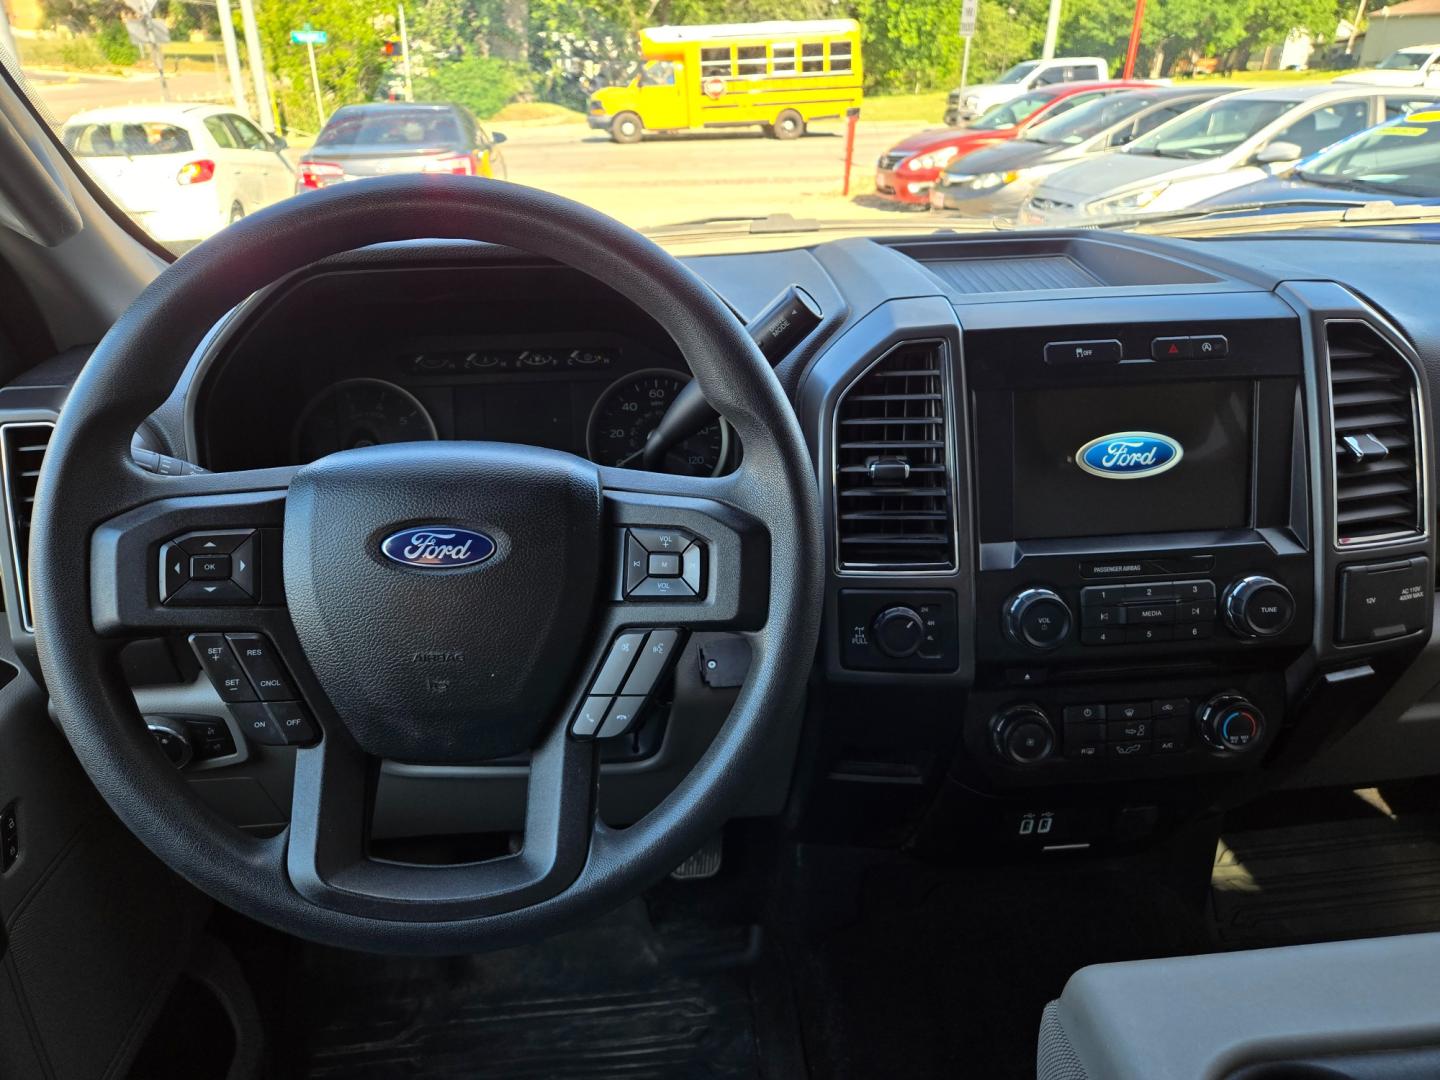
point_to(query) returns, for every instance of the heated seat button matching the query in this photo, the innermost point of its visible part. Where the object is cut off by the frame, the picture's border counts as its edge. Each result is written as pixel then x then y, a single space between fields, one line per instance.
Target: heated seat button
pixel 654 655
pixel 263 665
pixel 225 672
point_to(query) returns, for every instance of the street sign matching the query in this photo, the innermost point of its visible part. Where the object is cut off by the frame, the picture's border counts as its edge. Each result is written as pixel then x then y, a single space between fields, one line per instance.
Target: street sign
pixel 308 37
pixel 968 10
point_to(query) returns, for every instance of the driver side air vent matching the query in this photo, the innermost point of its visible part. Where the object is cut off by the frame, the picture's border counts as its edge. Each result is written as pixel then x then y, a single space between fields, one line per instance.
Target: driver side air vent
pixel 1377 470
pixel 893 506
pixel 22 449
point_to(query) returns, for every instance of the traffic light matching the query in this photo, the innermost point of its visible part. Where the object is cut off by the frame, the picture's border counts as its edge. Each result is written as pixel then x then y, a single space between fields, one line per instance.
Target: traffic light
pixel 390 47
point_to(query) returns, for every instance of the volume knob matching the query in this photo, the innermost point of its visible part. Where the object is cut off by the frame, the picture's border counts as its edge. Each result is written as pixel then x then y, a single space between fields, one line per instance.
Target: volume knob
pixel 1037 618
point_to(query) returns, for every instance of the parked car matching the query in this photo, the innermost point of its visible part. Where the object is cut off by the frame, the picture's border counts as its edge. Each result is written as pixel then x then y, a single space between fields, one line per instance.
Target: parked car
pixel 1232 141
pixel 995 181
pixel 382 138
pixel 1415 65
pixel 979 99
pixel 1396 162
pixel 183 172
pixel 907 171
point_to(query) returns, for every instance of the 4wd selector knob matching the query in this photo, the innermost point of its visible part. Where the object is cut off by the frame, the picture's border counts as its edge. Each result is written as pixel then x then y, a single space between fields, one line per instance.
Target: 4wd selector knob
pixel 1229 721
pixel 1022 734
pixel 1037 618
pixel 1258 607
pixel 899 632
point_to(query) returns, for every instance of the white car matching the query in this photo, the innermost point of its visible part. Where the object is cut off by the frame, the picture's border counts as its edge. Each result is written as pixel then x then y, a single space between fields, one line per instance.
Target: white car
pixel 1415 65
pixel 1234 140
pixel 982 97
pixel 182 172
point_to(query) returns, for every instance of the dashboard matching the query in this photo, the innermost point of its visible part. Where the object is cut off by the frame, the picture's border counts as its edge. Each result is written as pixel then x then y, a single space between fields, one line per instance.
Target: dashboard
pixel 1121 528
pixel 445 354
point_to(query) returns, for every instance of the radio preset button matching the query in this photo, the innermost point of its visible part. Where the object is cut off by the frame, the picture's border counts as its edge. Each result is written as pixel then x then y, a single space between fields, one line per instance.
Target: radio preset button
pixel 1102 594
pixel 1151 590
pixel 1103 635
pixel 1147 635
pixel 1194 590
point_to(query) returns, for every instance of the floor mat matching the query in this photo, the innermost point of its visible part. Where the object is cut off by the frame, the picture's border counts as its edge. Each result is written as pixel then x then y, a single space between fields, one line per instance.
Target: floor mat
pixel 1372 875
pixel 616 999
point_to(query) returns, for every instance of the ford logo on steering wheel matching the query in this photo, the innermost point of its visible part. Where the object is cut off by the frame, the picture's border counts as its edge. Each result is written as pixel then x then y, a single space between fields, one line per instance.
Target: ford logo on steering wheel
pixel 437 547
pixel 1129 455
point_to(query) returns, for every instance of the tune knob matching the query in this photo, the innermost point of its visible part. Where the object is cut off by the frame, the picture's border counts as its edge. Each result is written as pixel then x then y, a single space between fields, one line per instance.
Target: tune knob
pixel 1022 734
pixel 899 632
pixel 172 738
pixel 1037 618
pixel 1230 722
pixel 1258 607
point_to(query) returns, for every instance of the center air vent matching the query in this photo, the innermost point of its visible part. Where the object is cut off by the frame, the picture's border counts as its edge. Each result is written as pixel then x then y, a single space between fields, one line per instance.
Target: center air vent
pixel 894 510
pixel 22 449
pixel 1377 474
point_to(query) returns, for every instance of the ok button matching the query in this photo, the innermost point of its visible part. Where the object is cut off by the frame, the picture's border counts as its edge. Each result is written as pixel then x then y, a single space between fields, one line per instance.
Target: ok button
pixel 210 567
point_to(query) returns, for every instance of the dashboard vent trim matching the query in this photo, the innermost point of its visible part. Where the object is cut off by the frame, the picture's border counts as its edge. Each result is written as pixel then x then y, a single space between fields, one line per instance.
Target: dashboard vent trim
pixel 1378 492
pixel 893 461
pixel 22 451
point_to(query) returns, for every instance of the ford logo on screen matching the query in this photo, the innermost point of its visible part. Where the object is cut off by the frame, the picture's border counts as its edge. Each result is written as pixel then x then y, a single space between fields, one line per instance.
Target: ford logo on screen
pixel 437 547
pixel 1129 455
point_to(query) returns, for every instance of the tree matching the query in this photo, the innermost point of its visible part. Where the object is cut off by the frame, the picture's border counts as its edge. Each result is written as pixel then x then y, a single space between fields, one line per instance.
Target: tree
pixel 351 64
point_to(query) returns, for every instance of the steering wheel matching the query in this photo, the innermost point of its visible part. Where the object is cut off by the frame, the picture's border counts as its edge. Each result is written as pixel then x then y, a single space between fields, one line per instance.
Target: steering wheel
pixel 519 634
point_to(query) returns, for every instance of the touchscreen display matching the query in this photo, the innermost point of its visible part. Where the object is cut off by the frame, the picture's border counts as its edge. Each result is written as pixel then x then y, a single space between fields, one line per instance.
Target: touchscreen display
pixel 1132 459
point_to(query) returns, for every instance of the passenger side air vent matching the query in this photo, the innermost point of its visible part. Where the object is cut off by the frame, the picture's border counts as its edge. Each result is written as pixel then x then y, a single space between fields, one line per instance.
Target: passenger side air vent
pixel 893 507
pixel 1377 459
pixel 22 449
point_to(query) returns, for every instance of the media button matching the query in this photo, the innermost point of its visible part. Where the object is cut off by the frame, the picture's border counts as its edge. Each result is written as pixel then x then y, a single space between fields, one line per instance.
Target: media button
pixel 1155 614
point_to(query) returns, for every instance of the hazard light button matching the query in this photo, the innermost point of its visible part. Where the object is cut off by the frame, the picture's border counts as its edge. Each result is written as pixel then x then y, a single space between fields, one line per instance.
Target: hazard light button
pixel 1172 348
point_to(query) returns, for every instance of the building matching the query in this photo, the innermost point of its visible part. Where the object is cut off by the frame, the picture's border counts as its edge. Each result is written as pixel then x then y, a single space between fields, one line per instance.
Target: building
pixel 1413 22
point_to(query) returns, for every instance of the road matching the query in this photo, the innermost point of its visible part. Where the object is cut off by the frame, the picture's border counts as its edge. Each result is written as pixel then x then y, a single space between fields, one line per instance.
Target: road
pixel 66 93
pixel 670 179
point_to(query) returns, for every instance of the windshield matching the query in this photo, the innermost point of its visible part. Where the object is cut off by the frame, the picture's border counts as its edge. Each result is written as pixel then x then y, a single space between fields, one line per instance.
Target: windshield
pixel 1089 119
pixel 1405 60
pixel 1012 112
pixel 1018 72
pixel 1401 157
pixel 1211 130
pixel 117 138
pixel 692 124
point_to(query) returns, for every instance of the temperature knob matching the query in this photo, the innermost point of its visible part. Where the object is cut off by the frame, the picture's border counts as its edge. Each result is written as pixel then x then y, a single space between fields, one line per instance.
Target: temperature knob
pixel 1022 735
pixel 1231 722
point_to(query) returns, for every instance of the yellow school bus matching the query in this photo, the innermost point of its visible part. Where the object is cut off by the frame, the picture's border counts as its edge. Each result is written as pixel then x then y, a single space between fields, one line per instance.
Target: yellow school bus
pixel 778 75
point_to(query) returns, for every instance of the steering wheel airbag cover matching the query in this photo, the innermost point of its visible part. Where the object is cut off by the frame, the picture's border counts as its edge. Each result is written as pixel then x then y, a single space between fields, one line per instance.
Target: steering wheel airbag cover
pixel 89 477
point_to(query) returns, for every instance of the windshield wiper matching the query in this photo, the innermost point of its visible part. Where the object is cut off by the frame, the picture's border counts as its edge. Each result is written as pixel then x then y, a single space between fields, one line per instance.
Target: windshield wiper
pixel 1244 216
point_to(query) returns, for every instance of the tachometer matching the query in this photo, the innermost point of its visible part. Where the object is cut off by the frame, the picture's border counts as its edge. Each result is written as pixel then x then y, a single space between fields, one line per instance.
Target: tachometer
pixel 360 412
pixel 631 408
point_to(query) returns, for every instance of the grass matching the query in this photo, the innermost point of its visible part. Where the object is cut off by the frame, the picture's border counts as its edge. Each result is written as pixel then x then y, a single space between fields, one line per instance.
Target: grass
pixel 928 107
pixel 538 113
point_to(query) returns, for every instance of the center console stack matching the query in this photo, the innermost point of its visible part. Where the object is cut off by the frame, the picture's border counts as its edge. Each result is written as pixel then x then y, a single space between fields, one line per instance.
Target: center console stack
pixel 1144 543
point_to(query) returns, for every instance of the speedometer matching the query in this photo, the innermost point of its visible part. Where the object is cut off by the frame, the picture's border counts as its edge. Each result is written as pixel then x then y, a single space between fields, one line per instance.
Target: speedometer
pixel 360 412
pixel 631 408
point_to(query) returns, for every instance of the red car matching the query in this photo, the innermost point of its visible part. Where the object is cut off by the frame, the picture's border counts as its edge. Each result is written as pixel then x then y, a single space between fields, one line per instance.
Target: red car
pixel 906 172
